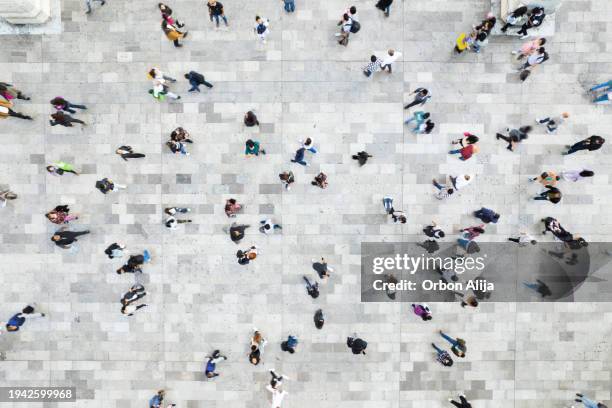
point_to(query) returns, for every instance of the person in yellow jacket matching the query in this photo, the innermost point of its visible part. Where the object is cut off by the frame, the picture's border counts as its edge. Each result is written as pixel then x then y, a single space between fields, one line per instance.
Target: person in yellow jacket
pixel 6 111
pixel 461 44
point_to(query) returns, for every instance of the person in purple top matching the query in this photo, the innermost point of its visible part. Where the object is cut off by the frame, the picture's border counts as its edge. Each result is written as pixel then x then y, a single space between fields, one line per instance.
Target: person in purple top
pixel 422 310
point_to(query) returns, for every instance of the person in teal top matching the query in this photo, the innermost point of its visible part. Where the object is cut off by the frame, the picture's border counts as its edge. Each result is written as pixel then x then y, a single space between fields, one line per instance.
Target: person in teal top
pixel 253 148
pixel 419 117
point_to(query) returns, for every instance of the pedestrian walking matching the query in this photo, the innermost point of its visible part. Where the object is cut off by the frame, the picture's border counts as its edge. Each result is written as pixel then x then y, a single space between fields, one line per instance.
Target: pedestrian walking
pixel 529 48
pixel 551 194
pixel 232 207
pixel 348 26
pixel 308 145
pixel 421 96
pixel 467 299
pixel 320 180
pixel 372 67
pixel 361 157
pixel 422 310
pixel 591 143
pixel 515 136
pixel 289 5
pixel 311 288
pixel 319 319
pixel 195 80
pixel 19 319
pixel 384 6
pixel 277 397
pixel 552 123
pixel 105 185
pixel 10 92
pixel 463 402
pixel 487 215
pixel 442 356
pixel 211 364
pixel 432 231
pixel 60 215
pixel 515 18
pixel 61 104
pixel 257 345
pixel 60 118
pixel 173 34
pixel 89 3
pixel 458 346
pixel 157 400
pixel 419 117
pixel 127 152
pixel 535 19
pixel 177 147
pixel 356 344
pixel 245 257
pixel 216 12
pixel 268 226
pixel 538 57
pixel 389 59
pixel 300 157
pixel 472 233
pixel 443 190
pixel 136 292
pixel 467 139
pixel 134 263
pixel 552 225
pixel 602 93
pixel 253 148
pixel 321 267
pixel 114 250
pixel 466 152
pixel 131 308
pixel 236 232
pixel 289 345
pixel 547 178
pixel 523 239
pixel 575 175
pixel 539 287
pixel 172 222
pixel 460 181
pixel 250 119
pixel 588 403
pixel 6 196
pixel 277 380
pixel 424 128
pixel 6 111
pixel 64 238
pixel 287 178
pixel 261 28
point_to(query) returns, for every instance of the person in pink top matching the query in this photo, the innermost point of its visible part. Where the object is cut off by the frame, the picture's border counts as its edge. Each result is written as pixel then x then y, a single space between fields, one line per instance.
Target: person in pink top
pixel 472 232
pixel 529 48
pixel 422 310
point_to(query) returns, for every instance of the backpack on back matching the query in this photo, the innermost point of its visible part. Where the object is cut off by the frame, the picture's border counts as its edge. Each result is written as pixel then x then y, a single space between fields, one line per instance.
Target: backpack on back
pixel 355 27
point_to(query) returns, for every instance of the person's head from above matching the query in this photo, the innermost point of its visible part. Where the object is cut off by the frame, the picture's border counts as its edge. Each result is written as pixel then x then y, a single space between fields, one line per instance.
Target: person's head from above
pixel 427 317
pixel 373 58
pixel 170 211
pixel 533 242
pixel 254 360
pixel 353 10
pixel 231 201
pixel 467 177
pixel 258 20
pixel 51 215
pixel 55 238
pixel 587 173
pixel 472 302
pixel 426 115
pixel 402 219
pixel 212 2
pixel 447 361
pixel 538 11
pixel 565 115
pixel 153 71
pixel 308 141
pixel 120 271
pixel 541 50
pixel 250 144
pixel 58 100
pixel 525 129
pixel 51 169
pixel 480 230
pixel 598 139
pixel 391 52
pixel 450 191
pixel 345 17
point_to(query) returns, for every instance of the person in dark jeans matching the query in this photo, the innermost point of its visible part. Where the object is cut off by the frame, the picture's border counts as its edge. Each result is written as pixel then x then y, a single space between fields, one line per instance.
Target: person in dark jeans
pixel 195 80
pixel 591 143
pixel 515 136
pixel 6 111
pixel 464 403
pixel 457 345
pixel 514 17
pixel 551 194
pixel 62 104
pixel 127 152
pixel 312 288
pixel 215 10
pixel 421 95
pixel 63 238
pixel 60 118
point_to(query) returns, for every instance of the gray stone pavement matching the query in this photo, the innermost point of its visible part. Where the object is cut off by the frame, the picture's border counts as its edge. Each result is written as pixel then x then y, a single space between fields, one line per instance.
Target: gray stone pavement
pixel 301 84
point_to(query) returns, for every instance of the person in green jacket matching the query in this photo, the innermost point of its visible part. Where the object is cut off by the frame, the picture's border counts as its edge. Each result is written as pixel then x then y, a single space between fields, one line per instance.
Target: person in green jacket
pixel 253 148
pixel 59 168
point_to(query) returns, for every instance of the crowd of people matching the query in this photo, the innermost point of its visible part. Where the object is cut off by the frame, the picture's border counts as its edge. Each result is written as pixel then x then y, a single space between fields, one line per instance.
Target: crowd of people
pixel 523 20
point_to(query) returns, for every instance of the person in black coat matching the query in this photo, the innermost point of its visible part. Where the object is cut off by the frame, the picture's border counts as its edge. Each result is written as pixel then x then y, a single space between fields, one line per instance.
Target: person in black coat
pixel 385 6
pixel 64 239
pixel 356 345
pixel 195 80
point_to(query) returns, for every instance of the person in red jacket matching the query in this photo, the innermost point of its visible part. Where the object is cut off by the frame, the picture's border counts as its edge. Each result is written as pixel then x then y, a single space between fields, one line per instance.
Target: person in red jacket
pixel 466 152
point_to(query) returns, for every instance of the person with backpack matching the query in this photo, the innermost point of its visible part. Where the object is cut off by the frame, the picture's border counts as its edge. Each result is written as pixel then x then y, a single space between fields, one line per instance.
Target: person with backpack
pixel 433 232
pixel 442 356
pixel 300 155
pixel 257 346
pixel 245 257
pixel 321 267
pixel 356 344
pixel 422 310
pixel 61 104
pixel 320 180
pixel 61 215
pixel 591 143
pixel 515 18
pixel 173 34
pixel 515 136
pixel 19 319
pixel 537 58
pixel 105 185
pixel 232 207
pixel 458 346
pixel 114 250
pixel 588 403
pixel 546 178
pixel 236 231
pixel 535 19
pixel 211 364
pixel 289 346
pixel 319 319
pixel 372 67
pixel 195 80
pixel 253 148
pixel 463 402
pixel 10 92
pixel 487 215
pixel 311 288
pixel 261 28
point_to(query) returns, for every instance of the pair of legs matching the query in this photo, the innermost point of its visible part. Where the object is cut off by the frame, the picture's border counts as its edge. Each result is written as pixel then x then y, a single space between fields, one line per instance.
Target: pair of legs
pixel 543 196
pixel 416 101
pixel 69 106
pixel 289 6
pixel 18 115
pixel 217 17
pixel 576 148
pixel 88 4
pixel 452 341
pixel 68 123
pixel 551 125
pixel 195 85
pixel 462 404
pixel 588 403
pixel 302 162
pixel 457 151
pixel 388 204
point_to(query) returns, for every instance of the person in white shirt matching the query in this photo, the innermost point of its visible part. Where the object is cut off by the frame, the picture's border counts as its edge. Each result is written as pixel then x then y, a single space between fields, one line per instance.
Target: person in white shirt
pixel 575 175
pixel 460 181
pixel 261 28
pixel 268 226
pixel 277 396
pixel 389 59
pixel 523 239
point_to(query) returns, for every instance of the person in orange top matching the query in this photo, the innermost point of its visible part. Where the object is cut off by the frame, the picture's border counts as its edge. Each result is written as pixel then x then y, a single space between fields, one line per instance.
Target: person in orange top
pixel 547 178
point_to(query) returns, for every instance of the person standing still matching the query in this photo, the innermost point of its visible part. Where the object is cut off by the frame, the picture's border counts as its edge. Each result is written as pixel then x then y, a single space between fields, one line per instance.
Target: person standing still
pixel 216 11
